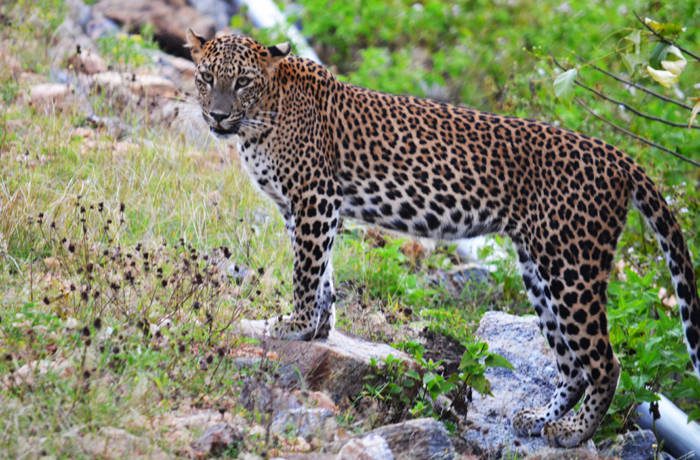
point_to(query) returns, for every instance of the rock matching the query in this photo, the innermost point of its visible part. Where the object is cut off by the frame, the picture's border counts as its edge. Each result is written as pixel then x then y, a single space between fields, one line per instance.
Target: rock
pixel 170 19
pixel 530 384
pixel 633 445
pixel 216 440
pixel 177 69
pixel 138 85
pixel 219 10
pixel 456 279
pixel 370 447
pixel 87 62
pixel 303 421
pixel 415 439
pixel 48 95
pixel 578 453
pixel 336 364
pixel 115 443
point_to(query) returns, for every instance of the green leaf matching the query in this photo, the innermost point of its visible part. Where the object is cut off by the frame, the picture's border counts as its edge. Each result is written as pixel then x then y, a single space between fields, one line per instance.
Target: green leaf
pixel 564 82
pixel 482 385
pixel 657 54
pixel 668 30
pixel 496 360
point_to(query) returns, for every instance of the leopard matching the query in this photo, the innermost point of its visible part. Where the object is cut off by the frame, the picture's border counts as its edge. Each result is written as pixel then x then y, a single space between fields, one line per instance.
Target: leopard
pixel 324 150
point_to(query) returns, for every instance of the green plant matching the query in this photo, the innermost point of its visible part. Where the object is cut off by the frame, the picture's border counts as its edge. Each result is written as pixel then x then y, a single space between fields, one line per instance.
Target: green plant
pixel 128 50
pixel 415 389
pixel 651 350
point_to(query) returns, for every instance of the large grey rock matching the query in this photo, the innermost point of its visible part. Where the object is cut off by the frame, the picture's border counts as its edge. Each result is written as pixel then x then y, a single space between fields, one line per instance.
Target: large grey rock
pixel 531 383
pixel 336 365
pixel 423 438
pixel 633 445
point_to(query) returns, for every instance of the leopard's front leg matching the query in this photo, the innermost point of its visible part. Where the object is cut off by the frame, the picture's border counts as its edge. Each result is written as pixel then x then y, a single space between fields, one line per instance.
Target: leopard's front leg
pixel 312 225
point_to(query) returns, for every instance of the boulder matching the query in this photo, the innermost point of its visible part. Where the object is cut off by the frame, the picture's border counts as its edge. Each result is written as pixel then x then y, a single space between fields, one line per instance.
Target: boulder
pixel 488 423
pixel 337 364
pixel 169 18
pixel 415 439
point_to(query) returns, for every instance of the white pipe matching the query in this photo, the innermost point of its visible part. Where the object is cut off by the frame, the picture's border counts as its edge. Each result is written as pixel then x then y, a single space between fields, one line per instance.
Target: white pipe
pixel 265 14
pixel 679 437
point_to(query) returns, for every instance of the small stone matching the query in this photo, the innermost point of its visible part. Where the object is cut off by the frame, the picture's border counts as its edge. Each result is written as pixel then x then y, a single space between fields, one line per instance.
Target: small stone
pixel 216 440
pixel 376 319
pixel 370 447
pixel 87 62
pixel 301 421
pixel 323 401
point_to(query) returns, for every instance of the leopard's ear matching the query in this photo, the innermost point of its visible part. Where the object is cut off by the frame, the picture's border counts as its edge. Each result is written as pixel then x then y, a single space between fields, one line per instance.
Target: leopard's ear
pixel 279 50
pixel 195 43
pixel 274 56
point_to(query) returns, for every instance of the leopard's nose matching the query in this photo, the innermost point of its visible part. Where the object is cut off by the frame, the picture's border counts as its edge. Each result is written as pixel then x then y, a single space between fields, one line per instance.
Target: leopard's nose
pixel 218 116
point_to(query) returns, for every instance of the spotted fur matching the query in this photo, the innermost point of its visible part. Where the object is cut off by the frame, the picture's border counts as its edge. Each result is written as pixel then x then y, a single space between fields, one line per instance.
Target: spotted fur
pixel 322 149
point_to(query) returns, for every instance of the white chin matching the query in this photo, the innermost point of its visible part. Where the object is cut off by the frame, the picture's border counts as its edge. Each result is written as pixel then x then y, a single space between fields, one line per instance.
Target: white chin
pixel 222 135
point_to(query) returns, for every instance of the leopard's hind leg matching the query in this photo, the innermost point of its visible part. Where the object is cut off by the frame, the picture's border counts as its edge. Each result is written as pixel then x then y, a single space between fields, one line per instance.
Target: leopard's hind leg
pixel 572 383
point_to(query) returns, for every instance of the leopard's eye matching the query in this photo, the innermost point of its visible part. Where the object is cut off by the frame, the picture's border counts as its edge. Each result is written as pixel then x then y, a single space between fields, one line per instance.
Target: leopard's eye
pixel 207 78
pixel 242 82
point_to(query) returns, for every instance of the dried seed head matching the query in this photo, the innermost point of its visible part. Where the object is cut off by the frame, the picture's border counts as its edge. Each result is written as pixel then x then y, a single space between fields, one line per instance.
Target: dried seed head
pixel 85 331
pixel 46 301
pixel 97 324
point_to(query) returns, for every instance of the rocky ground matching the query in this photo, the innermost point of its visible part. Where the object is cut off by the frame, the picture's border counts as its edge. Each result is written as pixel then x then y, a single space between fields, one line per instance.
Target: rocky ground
pixel 312 381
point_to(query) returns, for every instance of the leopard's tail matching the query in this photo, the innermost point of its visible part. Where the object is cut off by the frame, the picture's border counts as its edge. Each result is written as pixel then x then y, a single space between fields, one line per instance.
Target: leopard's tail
pixel 649 201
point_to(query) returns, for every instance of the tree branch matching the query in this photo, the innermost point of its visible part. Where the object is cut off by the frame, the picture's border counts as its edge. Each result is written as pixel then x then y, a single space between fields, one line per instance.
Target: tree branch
pixel 642 88
pixel 635 136
pixel 666 40
pixel 627 106
pixel 633 110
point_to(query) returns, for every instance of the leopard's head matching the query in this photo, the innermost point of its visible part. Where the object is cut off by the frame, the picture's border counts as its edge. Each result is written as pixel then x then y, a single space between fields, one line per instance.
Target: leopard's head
pixel 233 76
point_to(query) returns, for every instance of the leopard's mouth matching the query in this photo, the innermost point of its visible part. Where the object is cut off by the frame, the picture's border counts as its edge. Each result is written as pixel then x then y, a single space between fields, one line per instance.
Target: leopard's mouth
pixel 221 131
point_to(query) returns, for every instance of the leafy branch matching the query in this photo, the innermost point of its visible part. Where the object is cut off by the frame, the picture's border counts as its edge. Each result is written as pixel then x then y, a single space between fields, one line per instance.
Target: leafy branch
pixel 663 39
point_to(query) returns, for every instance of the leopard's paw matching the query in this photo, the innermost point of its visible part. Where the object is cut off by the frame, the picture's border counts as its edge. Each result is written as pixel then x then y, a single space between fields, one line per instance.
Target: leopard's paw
pixel 563 433
pixel 290 328
pixel 528 422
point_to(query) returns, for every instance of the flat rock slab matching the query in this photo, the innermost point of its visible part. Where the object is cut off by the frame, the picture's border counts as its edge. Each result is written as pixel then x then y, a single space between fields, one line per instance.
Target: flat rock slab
pixel 336 365
pixel 489 432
